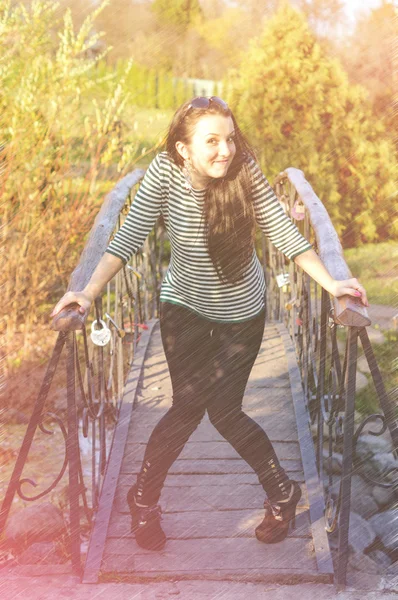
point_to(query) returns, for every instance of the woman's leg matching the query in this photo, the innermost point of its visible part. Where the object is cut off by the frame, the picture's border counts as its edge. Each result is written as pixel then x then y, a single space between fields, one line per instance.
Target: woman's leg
pixel 186 340
pixel 237 348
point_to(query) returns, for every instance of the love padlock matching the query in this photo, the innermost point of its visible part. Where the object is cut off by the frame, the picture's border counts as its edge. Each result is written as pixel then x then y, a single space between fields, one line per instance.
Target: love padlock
pixel 298 210
pixel 290 303
pixel 282 280
pixel 100 337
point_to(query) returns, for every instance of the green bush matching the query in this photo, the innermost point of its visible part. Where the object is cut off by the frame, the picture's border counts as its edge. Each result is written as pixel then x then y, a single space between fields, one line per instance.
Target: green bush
pixel 61 143
pixel 300 110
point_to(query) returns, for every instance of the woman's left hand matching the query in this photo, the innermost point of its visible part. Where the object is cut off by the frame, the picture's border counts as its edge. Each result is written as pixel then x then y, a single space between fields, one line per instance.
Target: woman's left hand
pixel 350 287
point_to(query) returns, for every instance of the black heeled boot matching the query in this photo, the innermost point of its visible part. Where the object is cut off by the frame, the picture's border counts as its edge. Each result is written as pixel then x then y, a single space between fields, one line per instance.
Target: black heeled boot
pixel 145 519
pixel 278 516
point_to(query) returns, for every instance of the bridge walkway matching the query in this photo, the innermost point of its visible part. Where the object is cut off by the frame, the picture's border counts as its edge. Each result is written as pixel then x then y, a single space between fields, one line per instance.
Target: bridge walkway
pixel 212 500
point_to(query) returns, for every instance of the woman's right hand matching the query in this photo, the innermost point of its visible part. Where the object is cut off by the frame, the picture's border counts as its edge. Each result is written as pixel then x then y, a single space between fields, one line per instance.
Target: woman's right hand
pixel 83 299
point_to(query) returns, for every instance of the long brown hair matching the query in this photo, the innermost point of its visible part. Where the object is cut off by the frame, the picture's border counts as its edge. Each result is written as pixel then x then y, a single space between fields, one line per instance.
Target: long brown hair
pixel 228 207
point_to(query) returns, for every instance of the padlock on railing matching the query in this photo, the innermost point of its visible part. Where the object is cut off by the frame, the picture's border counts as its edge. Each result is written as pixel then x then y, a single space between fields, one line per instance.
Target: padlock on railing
pixel 100 337
pixel 121 332
pixel 292 302
pixel 136 272
pixel 282 279
pixel 331 322
pixel 298 210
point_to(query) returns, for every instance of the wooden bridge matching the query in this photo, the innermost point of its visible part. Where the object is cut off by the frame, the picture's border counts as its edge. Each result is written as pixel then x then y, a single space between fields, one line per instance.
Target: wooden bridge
pixel 212 500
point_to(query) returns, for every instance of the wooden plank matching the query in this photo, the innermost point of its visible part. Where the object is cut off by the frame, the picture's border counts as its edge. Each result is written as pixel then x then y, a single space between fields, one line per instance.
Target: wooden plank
pixel 262 404
pixel 268 383
pixel 209 466
pixel 283 430
pixel 214 524
pixel 314 489
pixel 198 557
pixel 155 382
pixel 264 576
pixel 108 490
pixel 205 498
pixel 264 410
pixel 229 480
pixel 263 393
pixel 214 450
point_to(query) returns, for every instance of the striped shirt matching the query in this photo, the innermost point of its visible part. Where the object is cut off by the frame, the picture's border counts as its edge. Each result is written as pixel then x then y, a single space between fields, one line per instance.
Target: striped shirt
pixel 191 279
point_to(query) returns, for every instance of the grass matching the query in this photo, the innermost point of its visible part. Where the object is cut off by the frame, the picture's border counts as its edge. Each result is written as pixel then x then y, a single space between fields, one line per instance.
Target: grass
pixel 149 123
pixel 145 126
pixel 366 399
pixel 376 265
pixel 386 355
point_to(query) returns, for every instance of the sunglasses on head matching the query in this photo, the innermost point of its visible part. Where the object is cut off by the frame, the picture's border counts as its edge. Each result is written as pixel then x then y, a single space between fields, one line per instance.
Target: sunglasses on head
pixel 201 103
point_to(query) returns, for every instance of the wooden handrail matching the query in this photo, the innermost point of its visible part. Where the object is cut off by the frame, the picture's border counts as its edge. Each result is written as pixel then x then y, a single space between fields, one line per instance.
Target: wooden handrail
pixel 69 319
pixel 347 309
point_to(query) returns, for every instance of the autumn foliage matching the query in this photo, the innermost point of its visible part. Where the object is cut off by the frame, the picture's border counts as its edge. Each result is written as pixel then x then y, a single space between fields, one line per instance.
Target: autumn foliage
pixel 297 105
pixel 59 145
pixel 67 119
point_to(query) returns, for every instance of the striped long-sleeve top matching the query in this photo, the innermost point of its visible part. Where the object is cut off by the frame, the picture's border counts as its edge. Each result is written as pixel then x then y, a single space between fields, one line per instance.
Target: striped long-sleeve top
pixel 191 279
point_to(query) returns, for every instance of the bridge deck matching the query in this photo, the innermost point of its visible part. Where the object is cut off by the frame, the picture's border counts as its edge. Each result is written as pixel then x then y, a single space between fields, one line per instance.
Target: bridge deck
pixel 212 500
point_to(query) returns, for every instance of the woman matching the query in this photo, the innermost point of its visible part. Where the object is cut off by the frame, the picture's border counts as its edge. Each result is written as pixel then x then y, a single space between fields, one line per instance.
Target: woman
pixel 211 193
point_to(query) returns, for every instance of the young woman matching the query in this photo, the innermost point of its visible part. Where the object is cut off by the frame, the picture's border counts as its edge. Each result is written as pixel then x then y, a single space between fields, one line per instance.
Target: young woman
pixel 211 193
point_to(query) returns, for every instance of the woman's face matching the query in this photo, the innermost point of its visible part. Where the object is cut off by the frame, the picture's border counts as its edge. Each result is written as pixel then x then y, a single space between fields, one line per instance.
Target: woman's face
pixel 211 149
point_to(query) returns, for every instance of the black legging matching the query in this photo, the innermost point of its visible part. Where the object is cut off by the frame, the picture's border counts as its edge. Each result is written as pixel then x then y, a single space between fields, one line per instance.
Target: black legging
pixel 209 366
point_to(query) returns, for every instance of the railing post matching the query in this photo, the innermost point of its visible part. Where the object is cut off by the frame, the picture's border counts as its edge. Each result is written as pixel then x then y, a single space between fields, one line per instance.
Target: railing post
pixel 321 381
pixel 30 431
pixel 388 407
pixel 345 490
pixel 118 349
pixel 146 263
pixel 72 448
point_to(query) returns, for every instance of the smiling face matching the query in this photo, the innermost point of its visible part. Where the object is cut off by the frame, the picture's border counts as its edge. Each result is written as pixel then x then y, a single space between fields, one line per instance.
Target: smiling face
pixel 211 148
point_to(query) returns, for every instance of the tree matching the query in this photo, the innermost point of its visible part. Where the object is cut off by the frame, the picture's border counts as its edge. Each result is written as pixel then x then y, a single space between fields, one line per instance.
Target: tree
pixel 323 16
pixel 224 35
pixel 60 143
pixel 121 21
pixel 300 110
pixel 179 13
pixel 368 57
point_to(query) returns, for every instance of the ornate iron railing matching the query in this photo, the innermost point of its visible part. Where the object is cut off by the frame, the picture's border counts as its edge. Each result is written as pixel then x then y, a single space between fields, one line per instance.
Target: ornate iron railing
pixel 328 380
pixel 95 373
pixel 94 393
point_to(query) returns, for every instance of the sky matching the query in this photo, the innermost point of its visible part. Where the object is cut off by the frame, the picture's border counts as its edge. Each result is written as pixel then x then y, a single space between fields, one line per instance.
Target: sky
pixel 354 8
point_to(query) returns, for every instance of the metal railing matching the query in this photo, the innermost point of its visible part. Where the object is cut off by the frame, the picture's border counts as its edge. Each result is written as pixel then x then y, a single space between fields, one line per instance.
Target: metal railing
pixel 95 372
pixel 328 379
pixel 94 392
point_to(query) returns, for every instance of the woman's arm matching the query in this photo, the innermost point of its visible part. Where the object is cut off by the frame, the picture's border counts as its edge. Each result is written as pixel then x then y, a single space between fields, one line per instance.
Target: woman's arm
pixel 107 267
pixel 285 236
pixel 310 262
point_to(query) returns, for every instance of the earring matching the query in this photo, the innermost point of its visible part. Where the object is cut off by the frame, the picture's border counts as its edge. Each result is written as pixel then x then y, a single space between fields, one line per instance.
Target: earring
pixel 186 171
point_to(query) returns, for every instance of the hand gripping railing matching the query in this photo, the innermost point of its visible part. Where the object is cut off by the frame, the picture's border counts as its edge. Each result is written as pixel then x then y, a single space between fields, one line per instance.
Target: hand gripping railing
pixel 328 382
pixel 94 396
